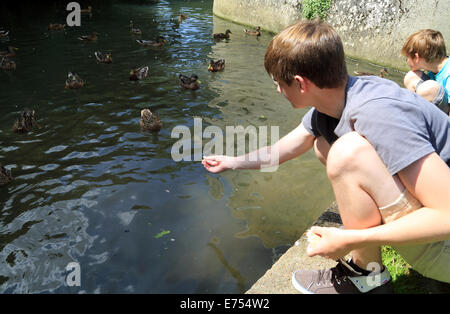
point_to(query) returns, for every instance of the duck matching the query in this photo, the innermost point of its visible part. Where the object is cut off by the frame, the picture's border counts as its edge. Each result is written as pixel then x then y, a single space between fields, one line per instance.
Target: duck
pixel 5 176
pixel 7 64
pixel 139 73
pixel 382 73
pixel 56 27
pixel 4 33
pixel 11 52
pixel 222 35
pixel 74 81
pixel 107 58
pixel 150 121
pixel 191 82
pixel 215 66
pixel 135 31
pixel 181 17
pixel 253 32
pixel 149 43
pixel 25 122
pixel 91 37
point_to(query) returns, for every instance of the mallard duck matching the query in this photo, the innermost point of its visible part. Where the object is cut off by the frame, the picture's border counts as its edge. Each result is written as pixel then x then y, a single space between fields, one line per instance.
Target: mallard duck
pixel 222 35
pixel 11 52
pixel 74 81
pixel 253 32
pixel 150 121
pixel 4 33
pixel 91 37
pixel 56 27
pixel 215 66
pixel 382 73
pixel 149 43
pixel 189 82
pixel 181 17
pixel 135 31
pixel 107 58
pixel 5 176
pixel 139 73
pixel 7 64
pixel 87 11
pixel 25 122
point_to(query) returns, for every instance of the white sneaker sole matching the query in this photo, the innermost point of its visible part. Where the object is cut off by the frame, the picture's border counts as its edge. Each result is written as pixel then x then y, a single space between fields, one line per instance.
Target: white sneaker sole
pixel 299 287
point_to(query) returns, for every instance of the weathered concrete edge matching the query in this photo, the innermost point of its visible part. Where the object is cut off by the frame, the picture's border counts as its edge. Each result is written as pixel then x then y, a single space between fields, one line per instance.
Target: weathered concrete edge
pixel 277 280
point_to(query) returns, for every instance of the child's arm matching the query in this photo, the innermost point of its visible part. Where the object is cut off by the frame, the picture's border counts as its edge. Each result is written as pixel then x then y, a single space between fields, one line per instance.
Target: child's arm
pixel 295 143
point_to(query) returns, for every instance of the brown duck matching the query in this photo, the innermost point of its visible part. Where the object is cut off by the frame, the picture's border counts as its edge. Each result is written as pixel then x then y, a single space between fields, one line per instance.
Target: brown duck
pixel 73 81
pixel 382 73
pixel 150 121
pixel 181 17
pixel 133 30
pixel 253 32
pixel 106 58
pixel 5 176
pixel 225 35
pixel 191 82
pixel 11 52
pixel 215 66
pixel 92 37
pixel 25 122
pixel 139 73
pixel 7 64
pixel 149 43
pixel 56 27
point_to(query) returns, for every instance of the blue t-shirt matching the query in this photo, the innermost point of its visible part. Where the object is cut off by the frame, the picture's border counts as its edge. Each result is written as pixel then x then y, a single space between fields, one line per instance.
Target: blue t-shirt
pixel 443 77
pixel 401 126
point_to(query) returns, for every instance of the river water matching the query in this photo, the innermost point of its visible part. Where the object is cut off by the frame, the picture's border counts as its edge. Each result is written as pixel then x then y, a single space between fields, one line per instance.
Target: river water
pixel 92 188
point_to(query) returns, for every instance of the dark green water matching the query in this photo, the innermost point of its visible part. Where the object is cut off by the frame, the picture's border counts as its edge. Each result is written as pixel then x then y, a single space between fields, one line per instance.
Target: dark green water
pixel 90 187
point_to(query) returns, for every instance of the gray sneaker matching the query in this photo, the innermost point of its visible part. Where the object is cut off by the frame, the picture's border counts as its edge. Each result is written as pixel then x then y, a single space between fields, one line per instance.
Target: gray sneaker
pixel 341 279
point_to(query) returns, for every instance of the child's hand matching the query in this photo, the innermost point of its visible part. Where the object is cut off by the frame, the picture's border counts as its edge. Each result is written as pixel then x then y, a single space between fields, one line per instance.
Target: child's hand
pixel 331 243
pixel 216 164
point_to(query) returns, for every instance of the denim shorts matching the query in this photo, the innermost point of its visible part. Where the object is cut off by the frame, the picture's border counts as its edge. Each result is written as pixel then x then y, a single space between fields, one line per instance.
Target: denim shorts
pixel 432 260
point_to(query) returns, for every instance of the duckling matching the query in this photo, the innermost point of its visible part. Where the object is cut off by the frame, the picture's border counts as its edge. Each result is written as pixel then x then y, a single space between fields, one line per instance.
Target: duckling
pixel 4 33
pixel 91 37
pixel 181 17
pixel 7 64
pixel 73 81
pixel 107 58
pixel 253 32
pixel 222 35
pixel 5 176
pixel 149 43
pixel 215 66
pixel 25 122
pixel 11 52
pixel 189 82
pixel 56 27
pixel 382 73
pixel 150 121
pixel 135 31
pixel 139 73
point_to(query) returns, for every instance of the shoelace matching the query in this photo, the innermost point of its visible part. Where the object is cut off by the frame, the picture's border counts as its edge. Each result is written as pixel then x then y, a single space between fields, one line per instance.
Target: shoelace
pixel 337 274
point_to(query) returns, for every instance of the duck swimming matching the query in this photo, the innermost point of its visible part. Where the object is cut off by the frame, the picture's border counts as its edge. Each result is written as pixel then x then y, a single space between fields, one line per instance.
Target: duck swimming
pixel 7 64
pixel 382 73
pixel 91 37
pixel 181 17
pixel 5 176
pixel 25 122
pixel 189 82
pixel 107 58
pixel 4 33
pixel 149 43
pixel 139 73
pixel 11 52
pixel 253 32
pixel 135 31
pixel 215 66
pixel 150 121
pixel 222 35
pixel 73 81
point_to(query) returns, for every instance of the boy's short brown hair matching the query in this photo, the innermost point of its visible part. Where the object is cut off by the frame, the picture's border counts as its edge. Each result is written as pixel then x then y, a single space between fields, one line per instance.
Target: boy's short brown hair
pixel 307 48
pixel 428 43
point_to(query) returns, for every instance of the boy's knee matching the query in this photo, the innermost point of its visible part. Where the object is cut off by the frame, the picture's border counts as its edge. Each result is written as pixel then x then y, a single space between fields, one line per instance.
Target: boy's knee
pixel 411 79
pixel 429 90
pixel 346 154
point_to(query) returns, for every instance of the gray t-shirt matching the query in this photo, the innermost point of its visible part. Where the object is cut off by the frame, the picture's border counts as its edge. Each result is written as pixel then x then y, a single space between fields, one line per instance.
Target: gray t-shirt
pixel 401 126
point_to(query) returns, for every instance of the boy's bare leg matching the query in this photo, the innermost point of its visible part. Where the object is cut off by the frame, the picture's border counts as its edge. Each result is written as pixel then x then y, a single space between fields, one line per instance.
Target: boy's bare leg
pixel 361 184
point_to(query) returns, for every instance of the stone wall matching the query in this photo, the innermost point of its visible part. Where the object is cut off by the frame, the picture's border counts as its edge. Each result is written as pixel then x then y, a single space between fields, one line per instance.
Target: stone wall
pixel 371 29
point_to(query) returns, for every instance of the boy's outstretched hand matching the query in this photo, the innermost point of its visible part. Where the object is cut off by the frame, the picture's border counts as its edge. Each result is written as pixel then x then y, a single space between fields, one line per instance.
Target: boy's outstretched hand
pixel 334 243
pixel 216 164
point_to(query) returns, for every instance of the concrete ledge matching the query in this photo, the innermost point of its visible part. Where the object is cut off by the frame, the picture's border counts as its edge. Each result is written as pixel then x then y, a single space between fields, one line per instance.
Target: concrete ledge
pixel 277 280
